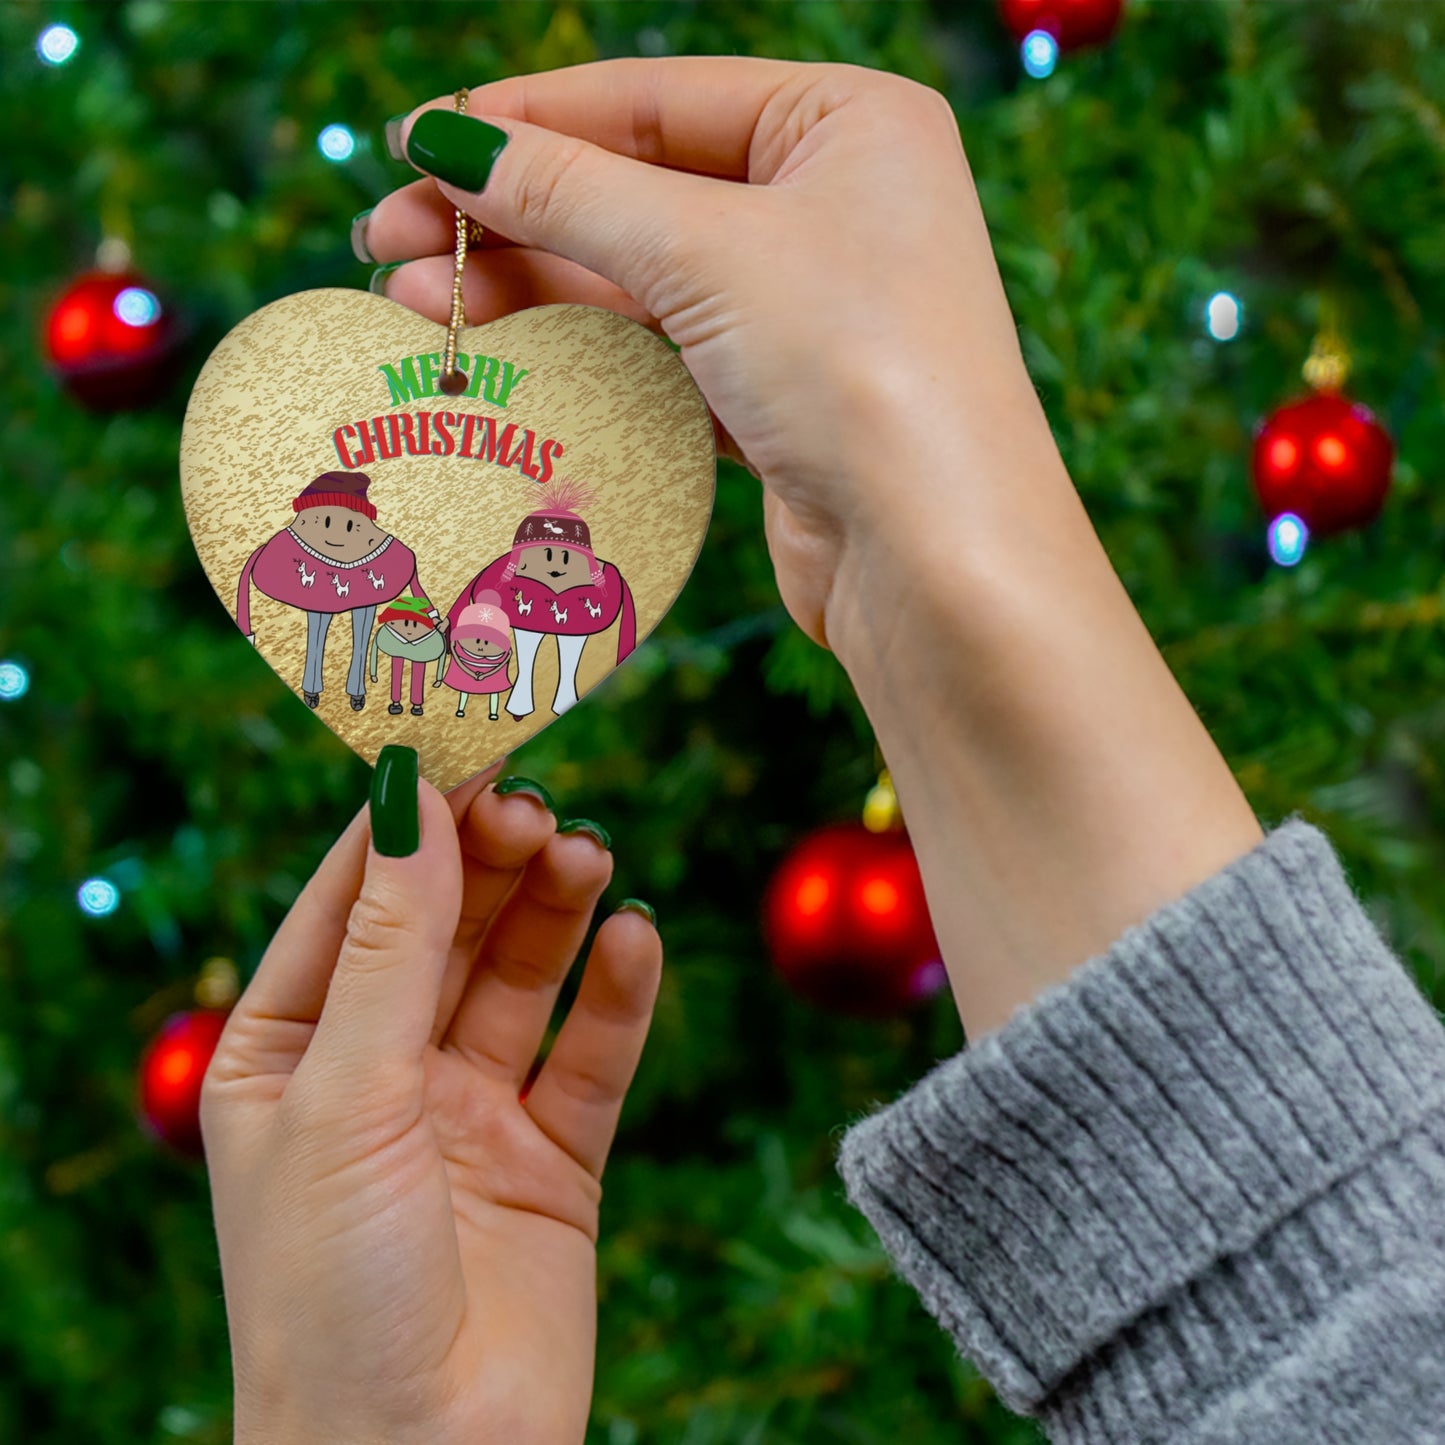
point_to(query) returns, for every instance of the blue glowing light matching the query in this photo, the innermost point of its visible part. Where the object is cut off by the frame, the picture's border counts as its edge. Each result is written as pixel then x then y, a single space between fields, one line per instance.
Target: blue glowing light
pixel 1223 316
pixel 14 681
pixel 137 307
pixel 57 44
pixel 1288 538
pixel 1040 52
pixel 98 897
pixel 336 143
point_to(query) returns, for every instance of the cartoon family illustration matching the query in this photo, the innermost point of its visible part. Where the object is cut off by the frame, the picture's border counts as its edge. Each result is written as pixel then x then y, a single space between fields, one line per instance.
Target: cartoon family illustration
pixel 335 558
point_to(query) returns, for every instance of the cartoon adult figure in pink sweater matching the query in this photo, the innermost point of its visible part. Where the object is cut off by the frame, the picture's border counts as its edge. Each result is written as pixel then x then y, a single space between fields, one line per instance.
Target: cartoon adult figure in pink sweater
pixel 332 558
pixel 553 583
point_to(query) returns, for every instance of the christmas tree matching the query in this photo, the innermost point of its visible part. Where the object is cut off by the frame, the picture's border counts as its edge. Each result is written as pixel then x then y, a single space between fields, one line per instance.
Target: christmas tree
pixel 1180 214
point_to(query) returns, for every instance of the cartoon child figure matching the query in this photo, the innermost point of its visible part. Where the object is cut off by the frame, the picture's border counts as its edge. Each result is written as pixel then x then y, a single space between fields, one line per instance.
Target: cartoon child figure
pixel 481 650
pixel 332 558
pixel 556 585
pixel 408 632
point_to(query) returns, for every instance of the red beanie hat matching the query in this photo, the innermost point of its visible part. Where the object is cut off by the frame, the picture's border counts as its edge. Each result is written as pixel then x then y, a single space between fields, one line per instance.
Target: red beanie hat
pixel 337 489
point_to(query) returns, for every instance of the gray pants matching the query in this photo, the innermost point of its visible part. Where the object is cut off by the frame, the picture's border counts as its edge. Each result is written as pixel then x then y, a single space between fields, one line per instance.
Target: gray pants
pixel 317 624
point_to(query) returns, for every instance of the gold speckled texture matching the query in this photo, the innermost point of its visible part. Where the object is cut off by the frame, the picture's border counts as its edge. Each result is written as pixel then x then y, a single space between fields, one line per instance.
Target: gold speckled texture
pixel 259 429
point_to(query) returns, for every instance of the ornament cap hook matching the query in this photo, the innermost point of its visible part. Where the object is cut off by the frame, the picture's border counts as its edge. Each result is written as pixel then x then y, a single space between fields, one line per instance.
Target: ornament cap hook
pixel 219 985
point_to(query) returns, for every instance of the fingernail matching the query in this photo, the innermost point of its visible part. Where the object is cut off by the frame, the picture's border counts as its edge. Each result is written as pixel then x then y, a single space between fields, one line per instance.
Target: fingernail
pixel 359 248
pixel 379 277
pixel 586 825
pixel 393 137
pixel 636 905
pixel 395 820
pixel 455 148
pixel 525 785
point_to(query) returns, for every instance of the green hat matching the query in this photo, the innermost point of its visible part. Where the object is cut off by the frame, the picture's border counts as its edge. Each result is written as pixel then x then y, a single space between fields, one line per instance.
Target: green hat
pixel 415 608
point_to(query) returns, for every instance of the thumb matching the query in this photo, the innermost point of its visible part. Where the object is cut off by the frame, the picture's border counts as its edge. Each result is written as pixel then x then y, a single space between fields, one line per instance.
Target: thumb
pixel 623 219
pixel 382 1000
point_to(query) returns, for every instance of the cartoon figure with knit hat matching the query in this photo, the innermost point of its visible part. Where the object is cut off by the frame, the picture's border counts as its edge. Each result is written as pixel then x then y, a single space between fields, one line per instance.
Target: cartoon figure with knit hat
pixel 556 586
pixel 332 558
pixel 481 650
pixel 407 632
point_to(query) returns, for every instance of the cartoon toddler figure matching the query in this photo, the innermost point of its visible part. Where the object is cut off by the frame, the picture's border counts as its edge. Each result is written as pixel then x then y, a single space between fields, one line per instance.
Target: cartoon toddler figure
pixel 481 650
pixel 557 586
pixel 332 558
pixel 408 632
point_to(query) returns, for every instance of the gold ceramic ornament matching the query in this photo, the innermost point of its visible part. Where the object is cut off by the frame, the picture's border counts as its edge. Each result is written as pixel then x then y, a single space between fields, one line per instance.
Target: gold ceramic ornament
pixel 449 571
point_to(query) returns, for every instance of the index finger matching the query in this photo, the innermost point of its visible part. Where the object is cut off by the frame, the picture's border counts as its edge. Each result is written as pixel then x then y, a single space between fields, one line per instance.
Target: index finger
pixel 689 113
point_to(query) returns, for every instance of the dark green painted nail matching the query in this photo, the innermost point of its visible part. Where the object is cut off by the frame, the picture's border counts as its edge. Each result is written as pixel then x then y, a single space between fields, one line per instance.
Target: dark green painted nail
pixel 636 905
pixel 586 825
pixel 525 785
pixel 393 137
pixel 395 823
pixel 359 248
pixel 377 284
pixel 455 148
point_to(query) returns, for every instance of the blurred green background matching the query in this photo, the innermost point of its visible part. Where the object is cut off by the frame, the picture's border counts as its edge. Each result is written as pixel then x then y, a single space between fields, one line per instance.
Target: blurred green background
pixel 1292 154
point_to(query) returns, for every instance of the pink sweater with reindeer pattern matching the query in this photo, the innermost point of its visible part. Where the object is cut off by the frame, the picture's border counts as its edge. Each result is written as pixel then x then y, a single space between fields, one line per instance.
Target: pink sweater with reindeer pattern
pixel 289 571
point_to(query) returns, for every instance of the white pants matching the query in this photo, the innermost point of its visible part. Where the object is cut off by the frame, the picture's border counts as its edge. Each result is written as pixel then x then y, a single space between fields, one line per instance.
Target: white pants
pixel 569 655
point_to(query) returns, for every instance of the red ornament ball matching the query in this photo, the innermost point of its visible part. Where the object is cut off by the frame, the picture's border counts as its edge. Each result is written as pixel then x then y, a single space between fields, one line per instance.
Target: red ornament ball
pixel 111 341
pixel 1324 458
pixel 171 1071
pixel 1073 23
pixel 847 923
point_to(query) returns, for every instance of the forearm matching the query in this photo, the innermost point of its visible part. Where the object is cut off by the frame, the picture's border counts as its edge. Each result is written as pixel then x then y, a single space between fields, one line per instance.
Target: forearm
pixel 1056 782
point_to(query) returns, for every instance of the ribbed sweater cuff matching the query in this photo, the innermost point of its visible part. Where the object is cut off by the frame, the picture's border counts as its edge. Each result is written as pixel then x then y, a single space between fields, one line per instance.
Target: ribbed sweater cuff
pixel 1159 1150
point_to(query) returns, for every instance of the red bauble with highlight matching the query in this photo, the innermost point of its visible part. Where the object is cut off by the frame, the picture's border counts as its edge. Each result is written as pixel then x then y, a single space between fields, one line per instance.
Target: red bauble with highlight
pixel 847 923
pixel 1073 23
pixel 171 1072
pixel 1326 459
pixel 111 341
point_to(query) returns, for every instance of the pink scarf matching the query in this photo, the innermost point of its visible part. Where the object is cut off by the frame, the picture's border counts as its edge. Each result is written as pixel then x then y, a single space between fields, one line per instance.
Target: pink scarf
pixel 468 663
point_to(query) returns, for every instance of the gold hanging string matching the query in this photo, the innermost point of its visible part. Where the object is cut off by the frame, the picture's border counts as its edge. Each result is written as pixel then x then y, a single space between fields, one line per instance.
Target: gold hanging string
pixel 454 382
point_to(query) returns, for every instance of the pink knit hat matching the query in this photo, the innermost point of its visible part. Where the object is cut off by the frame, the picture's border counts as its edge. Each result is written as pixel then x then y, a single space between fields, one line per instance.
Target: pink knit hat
pixel 556 524
pixel 485 618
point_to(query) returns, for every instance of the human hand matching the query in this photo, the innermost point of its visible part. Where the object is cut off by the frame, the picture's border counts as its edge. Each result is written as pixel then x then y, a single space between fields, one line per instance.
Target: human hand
pixel 810 237
pixel 407 1246
pixel 842 312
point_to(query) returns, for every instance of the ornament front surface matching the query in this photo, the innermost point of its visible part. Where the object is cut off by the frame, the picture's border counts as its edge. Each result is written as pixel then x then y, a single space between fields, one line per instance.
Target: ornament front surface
pixel 393 550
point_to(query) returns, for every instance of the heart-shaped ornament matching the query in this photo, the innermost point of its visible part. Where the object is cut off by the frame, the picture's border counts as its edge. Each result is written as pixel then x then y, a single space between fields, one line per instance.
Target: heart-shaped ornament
pixel 452 572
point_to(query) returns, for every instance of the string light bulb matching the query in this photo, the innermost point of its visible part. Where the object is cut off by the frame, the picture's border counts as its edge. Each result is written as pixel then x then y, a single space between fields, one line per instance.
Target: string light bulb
pixel 336 143
pixel 57 44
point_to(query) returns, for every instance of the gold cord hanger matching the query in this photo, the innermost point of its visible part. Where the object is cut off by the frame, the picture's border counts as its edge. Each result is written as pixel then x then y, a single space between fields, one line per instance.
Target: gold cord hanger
pixel 452 381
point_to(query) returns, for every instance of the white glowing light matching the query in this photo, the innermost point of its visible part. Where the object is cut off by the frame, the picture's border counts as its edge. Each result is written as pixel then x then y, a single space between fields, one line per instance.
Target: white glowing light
pixel 14 681
pixel 98 897
pixel 1040 52
pixel 57 44
pixel 336 143
pixel 137 307
pixel 1288 538
pixel 1223 316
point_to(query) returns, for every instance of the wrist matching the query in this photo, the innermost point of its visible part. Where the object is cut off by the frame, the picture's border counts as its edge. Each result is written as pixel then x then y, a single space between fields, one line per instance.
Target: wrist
pixel 1057 784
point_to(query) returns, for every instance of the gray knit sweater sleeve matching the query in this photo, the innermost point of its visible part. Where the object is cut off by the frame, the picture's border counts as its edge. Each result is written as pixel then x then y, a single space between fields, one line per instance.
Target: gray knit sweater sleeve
pixel 1196 1192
